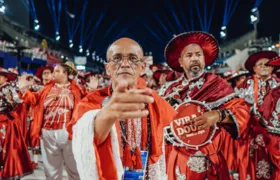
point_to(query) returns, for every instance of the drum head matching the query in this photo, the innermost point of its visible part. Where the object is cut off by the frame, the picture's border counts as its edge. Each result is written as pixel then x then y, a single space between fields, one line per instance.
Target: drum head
pixel 183 127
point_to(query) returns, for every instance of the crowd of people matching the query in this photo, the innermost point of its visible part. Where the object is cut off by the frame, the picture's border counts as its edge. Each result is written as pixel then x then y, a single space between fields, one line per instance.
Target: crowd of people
pixel 115 125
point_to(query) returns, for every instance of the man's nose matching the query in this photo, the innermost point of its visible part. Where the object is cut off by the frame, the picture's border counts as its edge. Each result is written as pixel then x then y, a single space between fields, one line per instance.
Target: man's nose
pixel 125 62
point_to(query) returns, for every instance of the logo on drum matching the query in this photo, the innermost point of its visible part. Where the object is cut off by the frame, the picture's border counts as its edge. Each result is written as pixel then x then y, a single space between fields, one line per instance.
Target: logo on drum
pixel 183 131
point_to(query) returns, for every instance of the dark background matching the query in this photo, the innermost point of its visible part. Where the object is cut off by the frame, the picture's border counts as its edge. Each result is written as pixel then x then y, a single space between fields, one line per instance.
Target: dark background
pixel 136 19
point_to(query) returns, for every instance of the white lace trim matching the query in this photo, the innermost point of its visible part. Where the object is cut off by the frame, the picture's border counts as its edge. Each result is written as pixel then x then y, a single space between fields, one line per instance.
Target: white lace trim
pixel 82 146
pixel 157 171
pixel 221 101
pixel 263 170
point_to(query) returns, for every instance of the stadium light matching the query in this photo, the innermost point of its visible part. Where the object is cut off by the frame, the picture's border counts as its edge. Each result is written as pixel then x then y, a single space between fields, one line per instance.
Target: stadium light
pixel 57 38
pixel 71 43
pixel 254 17
pixel 2 9
pixel 37 27
pixel 81 49
pixel 223 33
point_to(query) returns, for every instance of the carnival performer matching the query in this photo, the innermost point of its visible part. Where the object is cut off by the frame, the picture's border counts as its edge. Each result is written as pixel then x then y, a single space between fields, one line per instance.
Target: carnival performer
pixel 190 52
pixel 264 156
pixel 253 90
pixel 54 106
pixel 14 158
pixel 118 125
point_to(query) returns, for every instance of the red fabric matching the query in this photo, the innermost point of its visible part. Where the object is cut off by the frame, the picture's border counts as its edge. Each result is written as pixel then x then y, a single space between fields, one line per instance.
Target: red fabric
pixel 22 112
pixel 275 61
pixel 30 126
pixel 58 105
pixel 269 104
pixel 213 88
pixel 14 156
pixel 161 114
pixel 271 151
pixel 38 99
pixel 176 45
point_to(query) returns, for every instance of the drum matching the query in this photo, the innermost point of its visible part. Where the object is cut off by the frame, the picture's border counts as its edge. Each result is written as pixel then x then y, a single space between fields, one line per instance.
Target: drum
pixel 182 131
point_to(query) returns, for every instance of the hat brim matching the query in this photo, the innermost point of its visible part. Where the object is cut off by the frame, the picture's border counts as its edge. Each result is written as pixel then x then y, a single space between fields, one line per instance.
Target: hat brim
pixel 11 76
pixel 252 60
pixel 40 71
pixel 88 74
pixel 274 62
pixel 158 73
pixel 174 48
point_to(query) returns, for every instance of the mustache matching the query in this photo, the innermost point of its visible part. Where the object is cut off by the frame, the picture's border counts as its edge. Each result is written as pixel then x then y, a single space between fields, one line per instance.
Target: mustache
pixel 195 64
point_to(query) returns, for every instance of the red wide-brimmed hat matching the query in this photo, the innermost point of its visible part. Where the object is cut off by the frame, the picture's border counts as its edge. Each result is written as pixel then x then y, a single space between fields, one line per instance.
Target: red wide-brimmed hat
pixel 39 71
pixel 11 76
pixel 252 60
pixel 158 73
pixel 13 70
pixel 88 74
pixel 158 66
pixel 274 61
pixel 172 76
pixel 174 48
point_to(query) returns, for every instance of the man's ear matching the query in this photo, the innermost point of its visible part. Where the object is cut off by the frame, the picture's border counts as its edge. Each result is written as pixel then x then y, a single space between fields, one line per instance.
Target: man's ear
pixel 107 69
pixel 180 61
pixel 143 69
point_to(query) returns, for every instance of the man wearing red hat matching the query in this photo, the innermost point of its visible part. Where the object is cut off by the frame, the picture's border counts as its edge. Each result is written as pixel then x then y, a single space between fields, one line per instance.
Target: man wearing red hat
pixel 118 131
pixel 160 77
pixel 269 118
pixel 55 104
pixel 91 81
pixel 14 158
pixel 264 159
pixel 253 90
pixel 189 53
pixel 45 74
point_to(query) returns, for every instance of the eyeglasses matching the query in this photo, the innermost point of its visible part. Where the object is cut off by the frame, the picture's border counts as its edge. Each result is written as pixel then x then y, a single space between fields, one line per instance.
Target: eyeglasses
pixel 119 59
pixel 262 65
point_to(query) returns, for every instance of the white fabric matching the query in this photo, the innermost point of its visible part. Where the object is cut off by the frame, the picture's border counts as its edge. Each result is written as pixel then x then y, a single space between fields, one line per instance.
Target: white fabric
pixel 56 151
pixel 35 158
pixel 116 152
pixel 83 148
pixel 237 61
